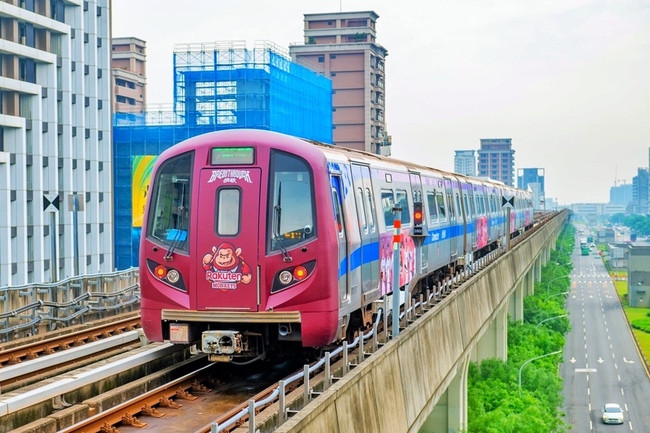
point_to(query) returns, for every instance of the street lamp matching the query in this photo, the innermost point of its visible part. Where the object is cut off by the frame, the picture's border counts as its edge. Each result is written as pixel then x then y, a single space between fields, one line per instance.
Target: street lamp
pixel 554 279
pixel 532 359
pixel 550 318
pixel 556 294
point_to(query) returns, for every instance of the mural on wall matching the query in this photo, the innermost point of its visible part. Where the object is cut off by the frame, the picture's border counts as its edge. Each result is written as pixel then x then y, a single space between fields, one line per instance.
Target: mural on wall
pixel 141 167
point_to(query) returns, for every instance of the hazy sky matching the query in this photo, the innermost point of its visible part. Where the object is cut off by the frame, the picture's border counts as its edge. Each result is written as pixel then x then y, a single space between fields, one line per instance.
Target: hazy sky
pixel 567 80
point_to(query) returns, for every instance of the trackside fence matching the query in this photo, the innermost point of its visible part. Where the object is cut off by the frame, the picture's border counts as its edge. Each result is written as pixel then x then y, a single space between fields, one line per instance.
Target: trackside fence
pixel 36 308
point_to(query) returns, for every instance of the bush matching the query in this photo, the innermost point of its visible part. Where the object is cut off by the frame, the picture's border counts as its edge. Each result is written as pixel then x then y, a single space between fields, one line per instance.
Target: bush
pixel 641 324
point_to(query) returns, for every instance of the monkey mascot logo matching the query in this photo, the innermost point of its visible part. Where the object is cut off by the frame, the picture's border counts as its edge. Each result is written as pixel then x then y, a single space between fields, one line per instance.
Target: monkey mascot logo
pixel 225 268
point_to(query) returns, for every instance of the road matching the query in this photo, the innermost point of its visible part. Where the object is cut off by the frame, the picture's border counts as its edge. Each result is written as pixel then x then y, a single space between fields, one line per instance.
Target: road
pixel 601 362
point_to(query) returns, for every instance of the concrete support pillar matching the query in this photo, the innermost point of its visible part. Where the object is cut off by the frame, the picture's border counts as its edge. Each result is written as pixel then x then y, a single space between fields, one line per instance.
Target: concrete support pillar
pixel 450 413
pixel 529 283
pixel 516 303
pixel 538 270
pixel 494 342
pixel 547 254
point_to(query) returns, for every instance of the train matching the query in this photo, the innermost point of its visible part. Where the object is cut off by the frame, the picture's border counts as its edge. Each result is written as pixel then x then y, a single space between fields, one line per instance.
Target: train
pixel 257 244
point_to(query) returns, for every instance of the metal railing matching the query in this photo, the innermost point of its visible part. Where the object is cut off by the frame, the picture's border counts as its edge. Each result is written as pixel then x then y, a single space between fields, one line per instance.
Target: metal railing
pixel 25 310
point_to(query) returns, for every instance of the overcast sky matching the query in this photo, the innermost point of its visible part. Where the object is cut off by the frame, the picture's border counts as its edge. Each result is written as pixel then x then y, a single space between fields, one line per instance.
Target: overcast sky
pixel 567 80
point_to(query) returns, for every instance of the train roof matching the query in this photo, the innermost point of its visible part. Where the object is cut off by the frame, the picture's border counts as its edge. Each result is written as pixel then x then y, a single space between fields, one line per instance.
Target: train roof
pixel 372 158
pixel 245 136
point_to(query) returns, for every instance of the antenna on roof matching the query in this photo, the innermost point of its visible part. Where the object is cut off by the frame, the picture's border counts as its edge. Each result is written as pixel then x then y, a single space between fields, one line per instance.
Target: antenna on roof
pixel 340 5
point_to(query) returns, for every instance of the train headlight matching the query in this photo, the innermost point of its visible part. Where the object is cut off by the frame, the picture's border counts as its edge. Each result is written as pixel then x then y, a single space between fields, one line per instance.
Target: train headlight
pixel 173 276
pixel 160 271
pixel 293 276
pixel 285 277
pixel 299 273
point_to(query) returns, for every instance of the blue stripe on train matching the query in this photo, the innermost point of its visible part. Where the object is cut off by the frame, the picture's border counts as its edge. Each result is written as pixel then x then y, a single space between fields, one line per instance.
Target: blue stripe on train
pixel 371 250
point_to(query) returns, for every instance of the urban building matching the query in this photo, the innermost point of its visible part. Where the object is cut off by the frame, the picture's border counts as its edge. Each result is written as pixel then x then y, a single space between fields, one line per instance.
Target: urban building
pixel 128 63
pixel 496 160
pixel 621 194
pixel 596 208
pixel 638 272
pixel 217 86
pixel 533 179
pixel 465 162
pixel 55 140
pixel 343 46
pixel 640 192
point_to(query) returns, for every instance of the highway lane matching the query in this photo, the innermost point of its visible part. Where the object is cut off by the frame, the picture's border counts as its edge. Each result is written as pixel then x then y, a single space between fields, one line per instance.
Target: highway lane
pixel 601 362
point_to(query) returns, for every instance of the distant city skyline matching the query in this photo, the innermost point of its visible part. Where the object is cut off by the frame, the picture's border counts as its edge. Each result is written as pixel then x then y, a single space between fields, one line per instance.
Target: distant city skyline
pixel 566 80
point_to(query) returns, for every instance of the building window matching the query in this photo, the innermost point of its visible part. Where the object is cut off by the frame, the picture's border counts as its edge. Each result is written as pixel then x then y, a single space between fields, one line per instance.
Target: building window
pixel 124 83
pixel 321 59
pixel 124 100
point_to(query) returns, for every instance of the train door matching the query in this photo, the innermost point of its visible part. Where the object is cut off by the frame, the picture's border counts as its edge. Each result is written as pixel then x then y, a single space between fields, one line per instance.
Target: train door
pixel 339 220
pixel 453 213
pixel 466 200
pixel 369 234
pixel 416 190
pixel 226 245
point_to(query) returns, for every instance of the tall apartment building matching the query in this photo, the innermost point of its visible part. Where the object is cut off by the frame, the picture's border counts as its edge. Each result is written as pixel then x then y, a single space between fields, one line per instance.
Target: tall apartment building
pixel 640 186
pixel 128 62
pixel 533 179
pixel 465 162
pixel 343 46
pixel 496 160
pixel 621 194
pixel 55 140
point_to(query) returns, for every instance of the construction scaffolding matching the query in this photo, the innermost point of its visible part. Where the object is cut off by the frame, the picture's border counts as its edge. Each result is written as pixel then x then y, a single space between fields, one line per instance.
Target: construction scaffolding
pixel 218 85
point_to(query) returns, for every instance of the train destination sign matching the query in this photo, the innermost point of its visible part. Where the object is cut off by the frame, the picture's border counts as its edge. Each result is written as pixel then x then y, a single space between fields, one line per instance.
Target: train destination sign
pixel 232 155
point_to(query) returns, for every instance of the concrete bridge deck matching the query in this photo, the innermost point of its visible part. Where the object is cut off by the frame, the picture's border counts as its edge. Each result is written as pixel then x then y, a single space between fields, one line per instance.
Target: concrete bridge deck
pixel 422 374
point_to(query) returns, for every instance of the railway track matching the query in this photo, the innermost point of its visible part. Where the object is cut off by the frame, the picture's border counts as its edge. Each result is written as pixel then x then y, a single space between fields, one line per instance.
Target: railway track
pixel 189 403
pixel 23 364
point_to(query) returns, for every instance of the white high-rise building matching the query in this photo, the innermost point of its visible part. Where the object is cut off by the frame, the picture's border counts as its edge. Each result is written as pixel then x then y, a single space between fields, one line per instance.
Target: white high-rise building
pixel 465 162
pixel 55 140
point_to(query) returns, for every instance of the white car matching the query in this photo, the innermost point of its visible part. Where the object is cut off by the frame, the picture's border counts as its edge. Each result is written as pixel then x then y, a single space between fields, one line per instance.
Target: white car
pixel 612 414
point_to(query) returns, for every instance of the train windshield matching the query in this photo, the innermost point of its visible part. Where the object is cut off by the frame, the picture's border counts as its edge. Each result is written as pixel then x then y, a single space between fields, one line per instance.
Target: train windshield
pixel 169 216
pixel 291 208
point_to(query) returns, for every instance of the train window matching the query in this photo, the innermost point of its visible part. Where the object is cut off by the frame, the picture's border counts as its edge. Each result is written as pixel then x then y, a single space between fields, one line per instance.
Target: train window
pixel 169 216
pixel 291 215
pixel 468 210
pixel 228 211
pixel 433 208
pixel 361 210
pixel 404 204
pixel 371 210
pixel 440 203
pixel 337 212
pixel 457 209
pixel 387 204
